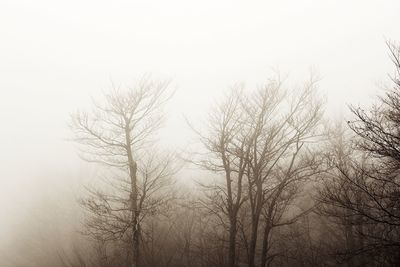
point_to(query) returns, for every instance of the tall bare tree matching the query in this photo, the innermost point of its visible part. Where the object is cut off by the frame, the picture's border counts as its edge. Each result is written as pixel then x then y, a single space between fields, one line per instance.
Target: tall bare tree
pixel 118 133
pixel 227 153
pixel 280 126
pixel 257 141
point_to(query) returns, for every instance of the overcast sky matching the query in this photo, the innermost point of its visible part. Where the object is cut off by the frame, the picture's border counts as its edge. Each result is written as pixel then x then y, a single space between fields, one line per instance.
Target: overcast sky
pixel 55 55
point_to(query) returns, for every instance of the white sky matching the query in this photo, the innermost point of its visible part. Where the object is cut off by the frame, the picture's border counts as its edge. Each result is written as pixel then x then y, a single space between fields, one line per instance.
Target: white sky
pixel 54 55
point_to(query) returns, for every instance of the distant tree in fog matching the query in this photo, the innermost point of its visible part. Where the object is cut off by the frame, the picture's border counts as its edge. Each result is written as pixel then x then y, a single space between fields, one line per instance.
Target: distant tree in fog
pixel 118 133
pixel 344 165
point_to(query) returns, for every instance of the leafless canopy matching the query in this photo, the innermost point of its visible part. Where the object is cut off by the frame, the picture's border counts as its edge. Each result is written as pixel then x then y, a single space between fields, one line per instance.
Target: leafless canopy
pixel 260 142
pixel 118 133
pixel 135 112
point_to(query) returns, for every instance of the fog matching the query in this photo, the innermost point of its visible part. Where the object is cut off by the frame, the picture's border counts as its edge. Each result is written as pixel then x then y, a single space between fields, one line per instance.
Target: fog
pixel 57 55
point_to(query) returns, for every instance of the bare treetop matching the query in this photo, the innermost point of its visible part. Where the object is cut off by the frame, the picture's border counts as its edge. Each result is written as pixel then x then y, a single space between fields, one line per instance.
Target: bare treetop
pixel 135 112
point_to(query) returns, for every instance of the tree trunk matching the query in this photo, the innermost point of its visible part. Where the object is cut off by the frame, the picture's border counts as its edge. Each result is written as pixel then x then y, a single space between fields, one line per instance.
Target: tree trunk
pixel 349 244
pixel 135 215
pixel 253 241
pixel 135 243
pixel 254 223
pixel 264 253
pixel 133 198
pixel 232 241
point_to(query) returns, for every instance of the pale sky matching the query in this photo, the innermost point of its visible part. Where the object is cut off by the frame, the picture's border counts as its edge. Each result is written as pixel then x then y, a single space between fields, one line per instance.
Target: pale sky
pixel 55 55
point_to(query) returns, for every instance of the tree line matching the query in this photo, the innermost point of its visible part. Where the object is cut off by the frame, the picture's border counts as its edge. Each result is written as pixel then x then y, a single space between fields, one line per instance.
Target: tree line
pixel 284 186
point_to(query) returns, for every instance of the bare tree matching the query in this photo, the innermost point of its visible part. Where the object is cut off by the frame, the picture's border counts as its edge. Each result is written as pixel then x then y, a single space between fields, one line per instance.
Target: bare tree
pixel 118 133
pixel 227 153
pixel 257 141
pixel 279 125
pixel 364 195
pixel 378 136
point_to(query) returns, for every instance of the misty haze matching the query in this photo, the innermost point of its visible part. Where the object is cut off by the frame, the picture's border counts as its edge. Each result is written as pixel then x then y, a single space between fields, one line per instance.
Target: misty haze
pixel 199 133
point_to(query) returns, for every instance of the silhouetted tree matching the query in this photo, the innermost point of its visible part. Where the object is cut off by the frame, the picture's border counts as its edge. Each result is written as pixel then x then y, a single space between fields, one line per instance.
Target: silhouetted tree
pixel 364 195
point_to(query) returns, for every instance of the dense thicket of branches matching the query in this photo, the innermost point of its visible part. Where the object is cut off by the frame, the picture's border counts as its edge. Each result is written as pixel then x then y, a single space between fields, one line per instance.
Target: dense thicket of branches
pixel 281 188
pixel 364 193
